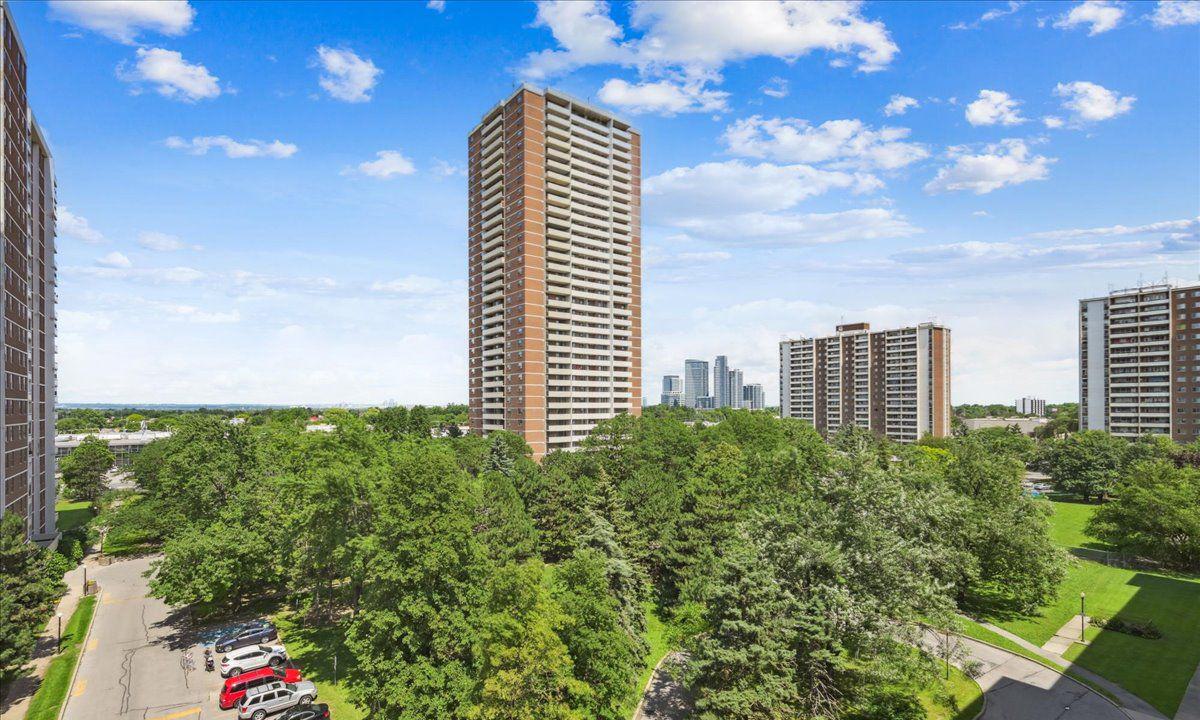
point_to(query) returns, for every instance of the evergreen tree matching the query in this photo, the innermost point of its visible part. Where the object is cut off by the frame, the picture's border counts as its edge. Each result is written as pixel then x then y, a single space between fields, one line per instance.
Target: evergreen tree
pixel 626 583
pixel 27 594
pixel 498 459
pixel 502 524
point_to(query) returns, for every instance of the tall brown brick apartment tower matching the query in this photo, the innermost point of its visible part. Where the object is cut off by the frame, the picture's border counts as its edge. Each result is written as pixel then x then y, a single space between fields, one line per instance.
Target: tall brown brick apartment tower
pixel 27 224
pixel 555 269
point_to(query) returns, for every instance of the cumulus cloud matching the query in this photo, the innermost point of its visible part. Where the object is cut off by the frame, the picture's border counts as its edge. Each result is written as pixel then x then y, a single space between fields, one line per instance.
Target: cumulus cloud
pixel 994 107
pixel 1088 102
pixel 1008 162
pixel 436 5
pixel 776 87
pixel 193 314
pixel 694 41
pixel 900 104
pixel 387 164
pixel 801 229
pixel 843 143
pixel 1175 229
pixel 416 286
pixel 1052 122
pixel 345 75
pixel 76 226
pixel 162 242
pixel 114 260
pixel 171 75
pixel 180 275
pixel 124 20
pixel 232 148
pixel 1099 15
pixel 663 97
pixel 1170 13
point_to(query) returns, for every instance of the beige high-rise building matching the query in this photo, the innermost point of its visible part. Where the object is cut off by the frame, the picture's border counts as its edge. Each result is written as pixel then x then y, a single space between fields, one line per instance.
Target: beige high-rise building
pixel 895 383
pixel 1139 362
pixel 555 264
pixel 27 223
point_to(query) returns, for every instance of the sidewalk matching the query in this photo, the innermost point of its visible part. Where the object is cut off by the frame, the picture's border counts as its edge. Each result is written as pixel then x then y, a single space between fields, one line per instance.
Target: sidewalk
pixel 1134 706
pixel 1189 707
pixel 17 696
pixel 1067 635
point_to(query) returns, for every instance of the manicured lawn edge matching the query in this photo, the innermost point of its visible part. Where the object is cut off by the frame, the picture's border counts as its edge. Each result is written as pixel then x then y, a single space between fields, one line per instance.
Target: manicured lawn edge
pixel 657 637
pixel 51 695
pixel 969 711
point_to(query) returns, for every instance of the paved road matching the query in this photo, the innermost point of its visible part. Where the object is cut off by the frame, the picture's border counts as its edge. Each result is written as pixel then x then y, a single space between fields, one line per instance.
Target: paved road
pixel 665 698
pixel 132 666
pixel 1020 689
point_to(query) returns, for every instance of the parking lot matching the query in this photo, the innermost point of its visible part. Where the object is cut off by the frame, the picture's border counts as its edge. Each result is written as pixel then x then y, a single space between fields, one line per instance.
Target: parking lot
pixel 141 660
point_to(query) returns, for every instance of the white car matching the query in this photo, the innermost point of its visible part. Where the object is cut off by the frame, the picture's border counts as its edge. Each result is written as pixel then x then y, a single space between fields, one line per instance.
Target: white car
pixel 252 657
pixel 269 699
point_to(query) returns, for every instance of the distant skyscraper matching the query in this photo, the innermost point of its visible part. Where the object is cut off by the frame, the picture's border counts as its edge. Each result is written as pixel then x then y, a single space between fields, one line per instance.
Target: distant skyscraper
pixel 1139 362
pixel 894 382
pixel 27 466
pixel 555 269
pixel 735 389
pixel 672 390
pixel 753 397
pixel 695 382
pixel 721 381
pixel 1031 406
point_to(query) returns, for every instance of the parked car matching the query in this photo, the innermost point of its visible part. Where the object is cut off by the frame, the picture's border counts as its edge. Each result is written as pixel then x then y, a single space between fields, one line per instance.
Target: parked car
pixel 252 658
pixel 319 711
pixel 276 697
pixel 235 687
pixel 255 633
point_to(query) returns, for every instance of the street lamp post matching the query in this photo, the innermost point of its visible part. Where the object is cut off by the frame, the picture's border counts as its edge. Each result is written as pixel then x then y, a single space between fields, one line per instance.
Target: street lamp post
pixel 58 645
pixel 1082 617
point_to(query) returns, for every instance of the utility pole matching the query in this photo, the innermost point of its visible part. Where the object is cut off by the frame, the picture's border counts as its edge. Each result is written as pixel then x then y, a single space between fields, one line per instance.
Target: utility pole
pixel 58 645
pixel 1082 617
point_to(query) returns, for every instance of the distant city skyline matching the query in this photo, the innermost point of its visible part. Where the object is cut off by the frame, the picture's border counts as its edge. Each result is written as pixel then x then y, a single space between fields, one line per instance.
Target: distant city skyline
pixel 277 218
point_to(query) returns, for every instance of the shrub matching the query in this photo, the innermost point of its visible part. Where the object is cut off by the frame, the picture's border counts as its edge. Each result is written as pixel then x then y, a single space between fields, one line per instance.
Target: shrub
pixel 1130 626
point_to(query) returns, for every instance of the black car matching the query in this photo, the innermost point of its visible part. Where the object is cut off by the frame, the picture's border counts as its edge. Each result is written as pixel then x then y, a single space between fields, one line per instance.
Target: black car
pixel 248 634
pixel 319 711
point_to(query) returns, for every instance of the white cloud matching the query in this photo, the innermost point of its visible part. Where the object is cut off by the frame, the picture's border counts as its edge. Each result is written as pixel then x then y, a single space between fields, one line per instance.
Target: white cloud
pixel 776 87
pixel 993 14
pixel 800 229
pixel 436 5
pixel 445 168
pixel 114 260
pixel 1175 228
pixel 174 275
pixel 1099 15
pixel 1052 121
pixel 193 314
pixel 1002 164
pixel 663 97
pixel 124 20
pixel 162 242
pixel 172 76
pixel 345 75
pixel 387 164
pixel 994 107
pixel 416 286
pixel 900 104
pixel 844 143
pixel 1089 102
pixel 1170 13
pixel 981 213
pixel 76 226
pixel 232 148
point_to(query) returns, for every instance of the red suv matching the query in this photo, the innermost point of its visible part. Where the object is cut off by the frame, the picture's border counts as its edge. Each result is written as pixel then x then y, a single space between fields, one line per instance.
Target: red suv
pixel 236 687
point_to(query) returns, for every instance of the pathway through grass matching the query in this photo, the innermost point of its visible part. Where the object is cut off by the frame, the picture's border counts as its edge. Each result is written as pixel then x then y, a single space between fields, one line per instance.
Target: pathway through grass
pixel 48 700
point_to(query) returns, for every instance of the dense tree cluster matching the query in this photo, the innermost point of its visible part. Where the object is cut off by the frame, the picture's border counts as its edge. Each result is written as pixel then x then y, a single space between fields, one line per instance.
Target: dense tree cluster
pixel 30 583
pixel 472 582
pixel 1155 514
pixel 84 468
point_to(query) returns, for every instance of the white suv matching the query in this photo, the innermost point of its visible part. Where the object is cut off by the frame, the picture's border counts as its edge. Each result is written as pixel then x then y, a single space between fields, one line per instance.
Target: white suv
pixel 252 657
pixel 261 701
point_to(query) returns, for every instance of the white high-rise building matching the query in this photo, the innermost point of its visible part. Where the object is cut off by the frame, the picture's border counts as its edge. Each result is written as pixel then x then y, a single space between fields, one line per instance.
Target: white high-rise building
pixel 753 397
pixel 721 381
pixel 695 382
pixel 1031 406
pixel 735 388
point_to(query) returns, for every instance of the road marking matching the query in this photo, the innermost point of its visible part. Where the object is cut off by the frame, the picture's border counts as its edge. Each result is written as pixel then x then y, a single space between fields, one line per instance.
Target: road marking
pixel 79 687
pixel 92 644
pixel 181 713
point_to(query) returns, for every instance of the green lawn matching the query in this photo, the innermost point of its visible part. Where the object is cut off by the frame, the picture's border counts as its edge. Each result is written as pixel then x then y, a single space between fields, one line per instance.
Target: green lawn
pixel 1068 521
pixel 1156 670
pixel 72 514
pixel 313 650
pixel 958 698
pixel 48 699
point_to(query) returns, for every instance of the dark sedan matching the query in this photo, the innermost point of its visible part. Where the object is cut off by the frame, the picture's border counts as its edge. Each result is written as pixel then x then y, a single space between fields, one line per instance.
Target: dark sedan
pixel 249 634
pixel 318 711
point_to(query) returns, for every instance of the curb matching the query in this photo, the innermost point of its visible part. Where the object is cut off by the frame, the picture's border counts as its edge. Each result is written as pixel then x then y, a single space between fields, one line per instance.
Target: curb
pixel 79 661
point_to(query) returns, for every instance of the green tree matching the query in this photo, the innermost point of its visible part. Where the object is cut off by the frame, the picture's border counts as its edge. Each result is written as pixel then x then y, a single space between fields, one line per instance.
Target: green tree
pixel 84 468
pixel 1155 514
pixel 526 671
pixel 133 422
pixel 27 594
pixel 502 524
pixel 391 421
pixel 1087 464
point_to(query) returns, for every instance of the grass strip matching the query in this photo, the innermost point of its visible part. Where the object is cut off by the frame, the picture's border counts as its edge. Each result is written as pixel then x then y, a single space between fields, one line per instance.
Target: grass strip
pixel 50 695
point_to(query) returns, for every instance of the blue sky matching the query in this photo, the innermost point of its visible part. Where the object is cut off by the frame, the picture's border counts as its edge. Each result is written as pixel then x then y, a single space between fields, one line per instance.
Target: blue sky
pixel 266 202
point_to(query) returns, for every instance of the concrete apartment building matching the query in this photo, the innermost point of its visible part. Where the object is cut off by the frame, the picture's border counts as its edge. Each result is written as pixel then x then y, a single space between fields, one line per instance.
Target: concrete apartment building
pixel 672 390
pixel 1139 362
pixel 27 465
pixel 753 397
pixel 895 383
pixel 1031 406
pixel 555 334
pixel 695 382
